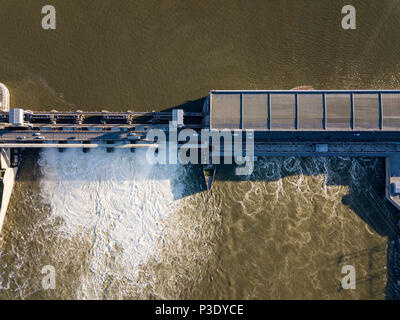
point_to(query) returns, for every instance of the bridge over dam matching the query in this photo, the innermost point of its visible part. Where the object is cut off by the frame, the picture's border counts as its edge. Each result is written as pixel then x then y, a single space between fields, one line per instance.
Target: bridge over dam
pixel 357 123
pixel 279 123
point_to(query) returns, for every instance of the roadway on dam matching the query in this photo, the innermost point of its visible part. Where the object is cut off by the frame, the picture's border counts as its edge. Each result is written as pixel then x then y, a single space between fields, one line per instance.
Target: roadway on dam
pixel 23 136
pixel 260 137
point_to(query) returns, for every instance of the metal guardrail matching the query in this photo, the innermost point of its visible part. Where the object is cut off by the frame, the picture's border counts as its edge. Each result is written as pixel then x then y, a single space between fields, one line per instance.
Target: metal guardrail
pixel 77 145
pixel 36 118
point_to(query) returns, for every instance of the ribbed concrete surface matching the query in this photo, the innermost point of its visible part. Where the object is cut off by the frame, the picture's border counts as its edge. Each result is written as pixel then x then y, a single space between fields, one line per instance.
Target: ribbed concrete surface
pixel 306 110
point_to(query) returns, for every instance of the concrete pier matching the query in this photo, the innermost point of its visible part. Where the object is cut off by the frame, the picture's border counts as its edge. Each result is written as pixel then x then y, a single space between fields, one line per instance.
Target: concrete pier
pixel 4 98
pixel 392 194
pixel 7 180
pixel 392 173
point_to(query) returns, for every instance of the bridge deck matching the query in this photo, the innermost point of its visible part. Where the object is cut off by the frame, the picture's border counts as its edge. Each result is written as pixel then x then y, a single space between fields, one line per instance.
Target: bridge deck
pixel 103 118
pixel 312 110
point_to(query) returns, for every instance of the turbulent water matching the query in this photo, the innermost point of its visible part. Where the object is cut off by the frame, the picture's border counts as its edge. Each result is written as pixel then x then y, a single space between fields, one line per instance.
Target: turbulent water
pixel 114 226
pixel 128 229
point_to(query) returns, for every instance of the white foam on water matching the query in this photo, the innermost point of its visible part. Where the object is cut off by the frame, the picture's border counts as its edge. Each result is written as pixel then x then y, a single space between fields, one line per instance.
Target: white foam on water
pixel 116 201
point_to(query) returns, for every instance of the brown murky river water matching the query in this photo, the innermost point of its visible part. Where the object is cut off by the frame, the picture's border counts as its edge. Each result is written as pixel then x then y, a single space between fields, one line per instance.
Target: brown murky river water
pixel 114 226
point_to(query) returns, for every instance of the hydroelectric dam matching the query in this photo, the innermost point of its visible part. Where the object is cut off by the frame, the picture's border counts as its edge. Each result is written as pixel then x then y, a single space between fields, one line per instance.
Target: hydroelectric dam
pixel 316 123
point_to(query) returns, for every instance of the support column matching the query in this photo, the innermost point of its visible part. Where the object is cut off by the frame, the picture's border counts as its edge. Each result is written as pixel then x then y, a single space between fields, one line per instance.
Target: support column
pixel 7 178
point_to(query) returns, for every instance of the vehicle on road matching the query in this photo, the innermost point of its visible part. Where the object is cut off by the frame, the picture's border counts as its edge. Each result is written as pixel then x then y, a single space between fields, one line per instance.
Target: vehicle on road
pixel 21 138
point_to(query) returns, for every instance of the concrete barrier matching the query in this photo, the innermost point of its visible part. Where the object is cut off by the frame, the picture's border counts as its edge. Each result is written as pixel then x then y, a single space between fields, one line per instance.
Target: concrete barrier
pixel 77 145
pixel 4 98
pixel 7 182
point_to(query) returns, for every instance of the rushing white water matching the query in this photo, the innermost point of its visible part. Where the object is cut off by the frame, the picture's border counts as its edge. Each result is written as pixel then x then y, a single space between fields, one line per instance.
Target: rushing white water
pixel 117 202
pixel 115 227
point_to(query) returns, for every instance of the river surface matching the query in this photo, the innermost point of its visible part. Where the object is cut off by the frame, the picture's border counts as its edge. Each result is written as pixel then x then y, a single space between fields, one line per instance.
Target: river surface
pixel 114 226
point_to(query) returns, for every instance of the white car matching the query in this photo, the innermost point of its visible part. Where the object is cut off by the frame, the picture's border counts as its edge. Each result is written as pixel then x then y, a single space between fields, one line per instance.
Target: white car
pixel 36 134
pixel 39 137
